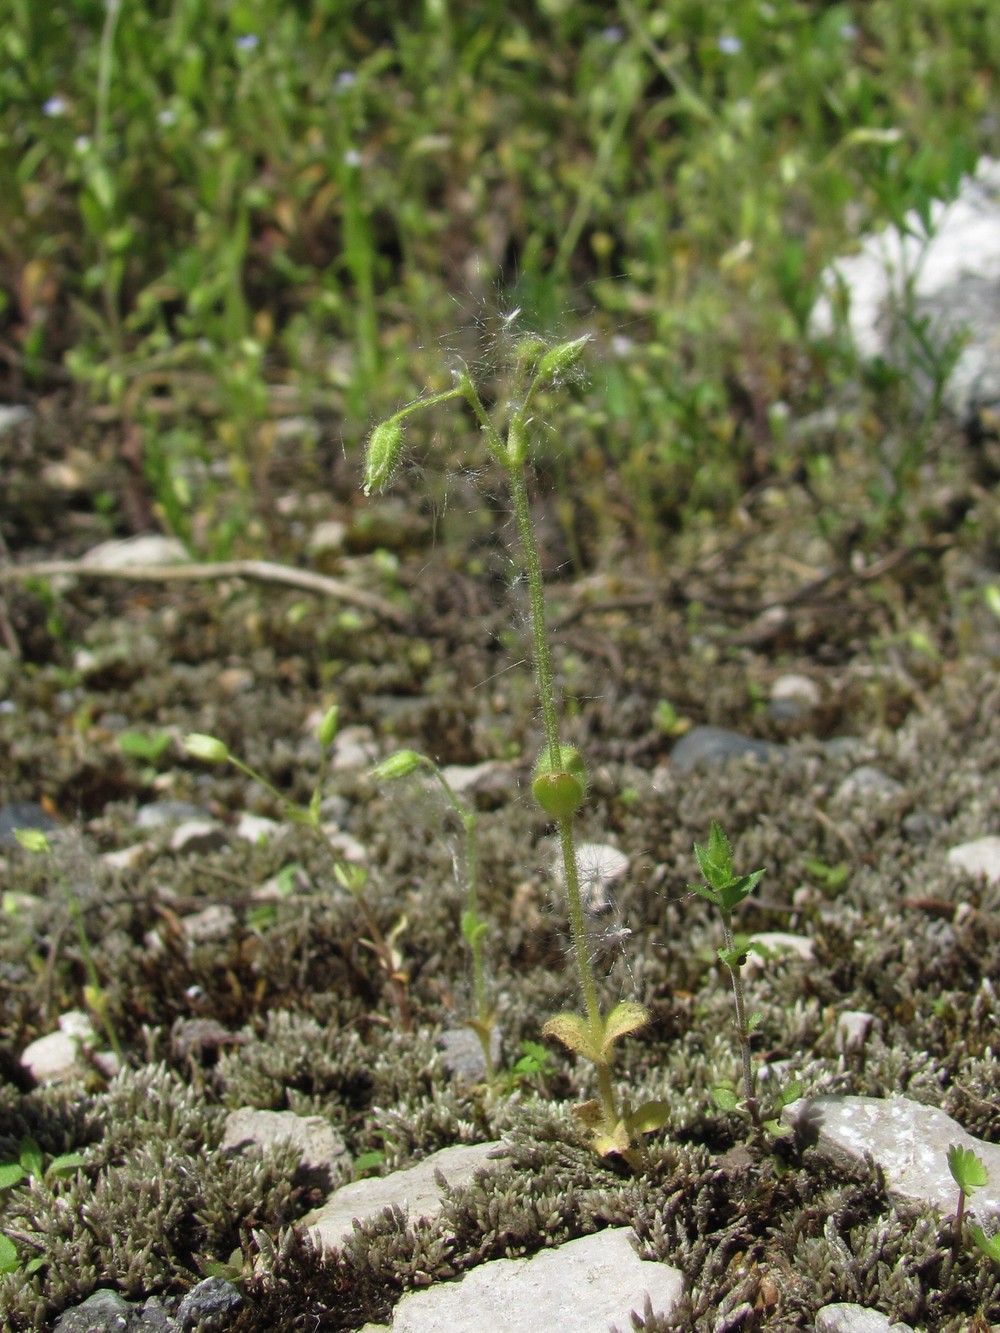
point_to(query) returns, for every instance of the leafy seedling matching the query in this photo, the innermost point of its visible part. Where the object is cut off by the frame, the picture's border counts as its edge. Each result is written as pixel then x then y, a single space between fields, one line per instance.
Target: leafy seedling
pixel 725 890
pixel 969 1174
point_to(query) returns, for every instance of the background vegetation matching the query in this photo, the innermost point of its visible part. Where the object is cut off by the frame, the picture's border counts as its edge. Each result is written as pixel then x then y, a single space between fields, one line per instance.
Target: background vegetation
pixel 248 230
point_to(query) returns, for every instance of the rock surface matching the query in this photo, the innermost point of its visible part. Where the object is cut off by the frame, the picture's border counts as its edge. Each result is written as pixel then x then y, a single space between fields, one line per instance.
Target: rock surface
pixel 908 1141
pixel 586 1285
pixel 415 1190
pixel 950 279
pixel 845 1317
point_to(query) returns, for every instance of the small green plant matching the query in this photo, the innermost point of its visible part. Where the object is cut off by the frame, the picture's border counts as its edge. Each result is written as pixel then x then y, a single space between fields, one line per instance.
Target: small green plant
pixel 95 995
pixel 560 778
pixel 725 891
pixel 349 876
pixel 969 1174
pixel 402 764
pixel 30 1165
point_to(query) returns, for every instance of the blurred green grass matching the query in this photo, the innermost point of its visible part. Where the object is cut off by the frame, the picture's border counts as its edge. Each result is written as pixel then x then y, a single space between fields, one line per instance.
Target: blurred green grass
pixel 217 214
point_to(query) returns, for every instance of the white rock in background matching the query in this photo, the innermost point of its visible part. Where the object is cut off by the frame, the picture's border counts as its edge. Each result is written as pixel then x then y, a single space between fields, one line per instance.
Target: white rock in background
pixel 256 828
pixel 12 415
pixel 981 857
pixel 955 283
pixel 844 1317
pixel 779 943
pixel 416 1190
pixel 132 552
pixel 908 1141
pixel 320 1144
pixel 54 1057
pixel 586 1285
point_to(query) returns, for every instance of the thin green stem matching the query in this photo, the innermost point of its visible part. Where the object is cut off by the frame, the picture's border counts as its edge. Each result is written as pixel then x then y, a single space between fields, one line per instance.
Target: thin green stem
pixel 741 1021
pixel 536 592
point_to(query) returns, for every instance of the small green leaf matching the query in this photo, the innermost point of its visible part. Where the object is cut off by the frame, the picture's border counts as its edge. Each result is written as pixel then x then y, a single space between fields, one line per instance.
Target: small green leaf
pixel 624 1018
pixel 472 927
pixel 30 1157
pixel 777 1129
pixel 149 747
pixel 65 1164
pixel 966 1168
pixel 368 1161
pixel 725 1098
pixel 990 1245
pixel 11 1173
pixel 32 840
pixel 790 1093
pixel 648 1117
pixel 574 1033
pixel 9 1261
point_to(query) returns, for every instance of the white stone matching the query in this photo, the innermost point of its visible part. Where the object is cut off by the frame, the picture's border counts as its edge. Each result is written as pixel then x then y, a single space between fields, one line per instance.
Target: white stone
pixel 954 281
pixel 909 1142
pixel 256 828
pixel 466 779
pixel 981 857
pixel 197 835
pixel 12 415
pixel 126 858
pixel 847 1318
pixel 800 689
pixel 867 783
pixel 327 537
pixel 415 1190
pixel 146 551
pixel 320 1144
pixel 778 942
pixel 853 1029
pixel 585 1285
pixel 54 1057
pixel 354 747
pixel 213 923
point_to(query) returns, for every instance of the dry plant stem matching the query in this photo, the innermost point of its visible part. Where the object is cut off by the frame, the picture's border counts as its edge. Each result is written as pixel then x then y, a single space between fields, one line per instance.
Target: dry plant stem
pixel 741 1024
pixel 261 571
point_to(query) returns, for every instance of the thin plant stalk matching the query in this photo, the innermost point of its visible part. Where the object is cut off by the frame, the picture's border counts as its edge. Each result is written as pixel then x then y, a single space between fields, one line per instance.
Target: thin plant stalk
pixel 742 1027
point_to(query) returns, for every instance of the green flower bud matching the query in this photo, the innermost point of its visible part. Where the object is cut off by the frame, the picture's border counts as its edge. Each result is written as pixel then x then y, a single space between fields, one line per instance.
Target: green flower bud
pixel 328 727
pixel 398 765
pixel 560 792
pixel 385 447
pixel 559 361
pixel 529 348
pixel 208 748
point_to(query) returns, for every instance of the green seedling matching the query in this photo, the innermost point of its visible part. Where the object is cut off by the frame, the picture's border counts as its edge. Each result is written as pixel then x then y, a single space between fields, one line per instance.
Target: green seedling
pixel 969 1174
pixel 559 783
pixel 97 999
pixel 405 763
pixel 28 1166
pixel 725 891
pixel 349 876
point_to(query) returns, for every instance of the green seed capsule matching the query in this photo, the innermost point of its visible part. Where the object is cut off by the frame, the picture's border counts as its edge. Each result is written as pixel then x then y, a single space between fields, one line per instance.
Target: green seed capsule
pixel 385 448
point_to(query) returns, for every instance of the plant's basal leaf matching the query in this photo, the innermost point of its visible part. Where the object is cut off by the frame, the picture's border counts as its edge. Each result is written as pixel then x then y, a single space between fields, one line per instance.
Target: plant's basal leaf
pixel 966 1168
pixel 574 1033
pixel 725 1098
pixel 624 1018
pixel 648 1117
